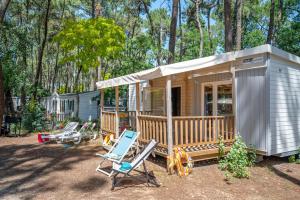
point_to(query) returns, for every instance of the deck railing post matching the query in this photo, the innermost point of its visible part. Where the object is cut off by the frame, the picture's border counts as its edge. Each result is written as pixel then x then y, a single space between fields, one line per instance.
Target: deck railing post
pixel 232 69
pixel 137 106
pixel 169 115
pixel 101 109
pixel 117 111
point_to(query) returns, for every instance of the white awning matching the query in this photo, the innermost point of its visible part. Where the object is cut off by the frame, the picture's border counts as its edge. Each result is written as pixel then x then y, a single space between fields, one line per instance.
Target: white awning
pixel 195 64
pixel 125 80
pixel 166 70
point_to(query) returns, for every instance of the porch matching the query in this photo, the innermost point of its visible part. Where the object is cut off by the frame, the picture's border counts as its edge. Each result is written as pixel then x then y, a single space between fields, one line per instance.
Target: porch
pixel 191 109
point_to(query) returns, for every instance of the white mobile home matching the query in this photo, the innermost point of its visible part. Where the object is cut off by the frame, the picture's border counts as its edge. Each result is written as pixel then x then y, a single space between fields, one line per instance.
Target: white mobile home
pixel 253 92
pixel 83 105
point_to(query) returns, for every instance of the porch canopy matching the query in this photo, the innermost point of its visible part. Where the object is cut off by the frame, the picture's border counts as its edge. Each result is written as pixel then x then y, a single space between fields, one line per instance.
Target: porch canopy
pixel 166 70
pixel 192 65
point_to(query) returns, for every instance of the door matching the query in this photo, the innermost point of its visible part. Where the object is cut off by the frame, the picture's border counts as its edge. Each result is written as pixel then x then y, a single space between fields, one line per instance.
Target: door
pixel 176 101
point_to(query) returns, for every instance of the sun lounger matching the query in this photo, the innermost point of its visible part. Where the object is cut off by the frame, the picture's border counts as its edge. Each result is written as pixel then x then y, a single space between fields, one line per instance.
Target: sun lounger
pixel 77 136
pixel 47 137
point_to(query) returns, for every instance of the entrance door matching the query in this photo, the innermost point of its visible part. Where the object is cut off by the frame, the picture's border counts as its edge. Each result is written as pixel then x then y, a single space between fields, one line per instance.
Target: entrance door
pixel 216 98
pixel 176 101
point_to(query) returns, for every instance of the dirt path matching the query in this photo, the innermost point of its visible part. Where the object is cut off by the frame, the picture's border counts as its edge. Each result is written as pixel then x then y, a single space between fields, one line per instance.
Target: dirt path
pixel 29 170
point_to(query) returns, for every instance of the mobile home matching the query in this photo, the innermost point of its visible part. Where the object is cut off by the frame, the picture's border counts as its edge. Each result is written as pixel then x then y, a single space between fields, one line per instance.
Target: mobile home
pixel 253 92
pixel 83 105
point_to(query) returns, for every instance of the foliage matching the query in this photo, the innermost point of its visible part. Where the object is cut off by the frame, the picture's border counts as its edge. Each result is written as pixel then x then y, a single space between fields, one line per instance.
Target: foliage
pixel 129 36
pixel 34 117
pixel 298 161
pixel 85 40
pixel 221 148
pixel 237 161
pixel 292 158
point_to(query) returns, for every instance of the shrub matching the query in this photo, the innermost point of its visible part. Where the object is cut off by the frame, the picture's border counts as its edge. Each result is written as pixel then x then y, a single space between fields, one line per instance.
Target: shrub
pixel 237 161
pixel 292 158
pixel 298 161
pixel 34 117
pixel 221 148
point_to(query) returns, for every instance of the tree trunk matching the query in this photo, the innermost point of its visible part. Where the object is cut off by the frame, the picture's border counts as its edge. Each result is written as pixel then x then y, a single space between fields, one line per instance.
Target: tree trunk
pixel 57 53
pixel 9 103
pixel 271 23
pixel 97 71
pixel 41 51
pixel 77 79
pixel 209 30
pixel 55 69
pixel 3 7
pixel 180 33
pixel 238 39
pixel 280 11
pixel 200 28
pixel 172 40
pixel 228 25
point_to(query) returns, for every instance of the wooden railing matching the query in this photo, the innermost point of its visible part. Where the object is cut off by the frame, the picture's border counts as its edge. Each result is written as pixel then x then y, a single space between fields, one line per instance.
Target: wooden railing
pixel 187 130
pixel 132 118
pixel 153 127
pixel 197 130
pixel 108 121
pixel 62 116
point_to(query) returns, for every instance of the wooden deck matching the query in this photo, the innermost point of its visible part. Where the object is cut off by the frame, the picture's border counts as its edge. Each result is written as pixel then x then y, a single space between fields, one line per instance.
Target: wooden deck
pixel 197 135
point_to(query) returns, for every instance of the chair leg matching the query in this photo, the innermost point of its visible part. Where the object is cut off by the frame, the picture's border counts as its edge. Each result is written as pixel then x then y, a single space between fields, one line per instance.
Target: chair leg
pixel 146 172
pixel 113 182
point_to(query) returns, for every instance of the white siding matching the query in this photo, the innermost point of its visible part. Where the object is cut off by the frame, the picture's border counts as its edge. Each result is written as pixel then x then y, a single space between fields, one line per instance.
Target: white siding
pixel 132 96
pixel 284 106
pixel 251 107
pixel 88 108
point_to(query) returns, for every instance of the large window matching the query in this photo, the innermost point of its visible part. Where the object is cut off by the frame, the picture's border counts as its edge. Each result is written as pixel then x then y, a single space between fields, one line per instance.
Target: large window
pixel 216 98
pixel 224 106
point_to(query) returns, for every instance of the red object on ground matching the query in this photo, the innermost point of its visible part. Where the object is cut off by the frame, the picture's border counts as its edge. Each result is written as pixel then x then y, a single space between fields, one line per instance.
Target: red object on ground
pixel 42 139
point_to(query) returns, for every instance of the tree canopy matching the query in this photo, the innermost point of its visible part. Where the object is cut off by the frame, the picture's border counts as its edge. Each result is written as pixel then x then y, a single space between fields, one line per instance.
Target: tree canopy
pixel 68 45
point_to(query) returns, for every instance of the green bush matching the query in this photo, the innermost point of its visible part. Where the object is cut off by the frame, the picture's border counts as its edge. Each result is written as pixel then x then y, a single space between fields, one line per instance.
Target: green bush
pixel 34 118
pixel 221 148
pixel 292 158
pixel 298 161
pixel 238 160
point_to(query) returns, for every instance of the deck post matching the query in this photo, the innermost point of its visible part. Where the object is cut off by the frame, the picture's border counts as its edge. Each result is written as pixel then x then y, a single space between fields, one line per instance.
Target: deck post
pixel 117 110
pixel 137 106
pixel 169 115
pixel 232 69
pixel 101 108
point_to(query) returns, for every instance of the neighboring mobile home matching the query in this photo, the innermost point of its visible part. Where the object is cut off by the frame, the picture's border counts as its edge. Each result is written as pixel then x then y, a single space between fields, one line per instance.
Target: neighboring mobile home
pixel 83 105
pixel 253 92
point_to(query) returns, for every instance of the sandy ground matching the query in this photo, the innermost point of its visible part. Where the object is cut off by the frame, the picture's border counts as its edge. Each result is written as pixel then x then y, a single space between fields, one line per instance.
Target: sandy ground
pixel 29 170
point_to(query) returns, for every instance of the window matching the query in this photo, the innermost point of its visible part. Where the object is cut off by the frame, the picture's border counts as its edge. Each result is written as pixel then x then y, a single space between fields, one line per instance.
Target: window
pixel 224 106
pixel 208 100
pixel 216 98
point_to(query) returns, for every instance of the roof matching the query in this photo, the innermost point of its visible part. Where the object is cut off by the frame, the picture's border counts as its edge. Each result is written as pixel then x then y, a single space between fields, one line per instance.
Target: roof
pixel 195 64
pixel 72 94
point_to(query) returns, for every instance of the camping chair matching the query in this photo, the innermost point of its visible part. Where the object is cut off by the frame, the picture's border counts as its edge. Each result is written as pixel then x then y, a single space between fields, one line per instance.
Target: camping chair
pixel 125 167
pixel 46 137
pixel 119 150
pixel 76 136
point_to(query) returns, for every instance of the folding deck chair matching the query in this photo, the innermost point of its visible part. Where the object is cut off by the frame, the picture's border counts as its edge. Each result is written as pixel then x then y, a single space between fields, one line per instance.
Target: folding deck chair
pixel 119 150
pixel 125 167
pixel 46 137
